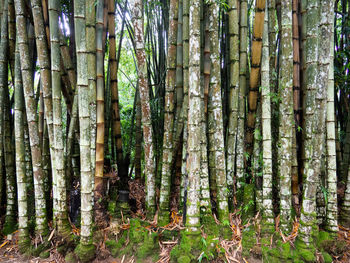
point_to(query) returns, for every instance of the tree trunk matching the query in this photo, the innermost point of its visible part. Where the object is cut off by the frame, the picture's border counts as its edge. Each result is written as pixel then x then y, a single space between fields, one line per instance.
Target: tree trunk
pixel 215 118
pixel 312 159
pixel 24 241
pixel 61 208
pixel 255 73
pixel 286 114
pixel 114 87
pixel 137 15
pixel 10 220
pixel 243 45
pixel 185 37
pixel 268 214
pixel 233 100
pixel 138 136
pixel 100 78
pixel 91 60
pixel 169 107
pixel 27 77
pixel 85 128
pixel 194 117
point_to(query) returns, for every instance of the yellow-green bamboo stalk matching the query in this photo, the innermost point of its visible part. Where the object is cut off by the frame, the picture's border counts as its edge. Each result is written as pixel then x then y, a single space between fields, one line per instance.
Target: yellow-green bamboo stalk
pixel 233 100
pixel 254 73
pixel 100 118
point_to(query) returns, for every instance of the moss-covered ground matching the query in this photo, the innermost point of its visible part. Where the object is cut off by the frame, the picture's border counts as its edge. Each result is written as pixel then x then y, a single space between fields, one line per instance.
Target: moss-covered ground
pixel 139 240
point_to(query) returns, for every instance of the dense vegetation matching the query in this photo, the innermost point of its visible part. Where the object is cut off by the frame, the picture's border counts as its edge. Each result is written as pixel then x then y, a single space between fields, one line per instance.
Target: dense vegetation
pixel 205 130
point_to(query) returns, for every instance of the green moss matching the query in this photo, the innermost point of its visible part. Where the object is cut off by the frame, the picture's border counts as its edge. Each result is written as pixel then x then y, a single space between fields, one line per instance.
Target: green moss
pixel 43 246
pixel 190 246
pixel 327 258
pixel 85 253
pixel 184 259
pixel 164 218
pixel 113 247
pixel 322 237
pixel 128 250
pixel 274 252
pixel 286 250
pixel 45 254
pixel 24 245
pixel 300 244
pixel 10 225
pixel 248 202
pixel 210 226
pixel 169 235
pixel 148 245
pixel 70 258
pixel 307 255
pixel 62 249
pixel 248 240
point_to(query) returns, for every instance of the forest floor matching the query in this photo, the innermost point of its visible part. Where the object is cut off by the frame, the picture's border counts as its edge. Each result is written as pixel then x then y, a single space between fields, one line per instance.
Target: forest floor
pixel 9 251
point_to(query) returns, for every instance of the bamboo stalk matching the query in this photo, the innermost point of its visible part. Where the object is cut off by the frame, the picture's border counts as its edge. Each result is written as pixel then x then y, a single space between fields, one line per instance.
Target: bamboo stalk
pixel 84 122
pixel 137 16
pixel 19 113
pixel 62 217
pixel 255 73
pixel 169 109
pixel 27 77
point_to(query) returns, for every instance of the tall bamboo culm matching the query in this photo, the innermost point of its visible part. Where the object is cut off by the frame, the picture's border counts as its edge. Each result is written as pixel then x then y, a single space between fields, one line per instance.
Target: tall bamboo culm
pixel 100 118
pixel 62 217
pixel 243 44
pixel 253 93
pixel 215 117
pixel 268 214
pixel 332 204
pixel 194 117
pixel 286 112
pixel 6 127
pixel 24 240
pixel 27 77
pixel 169 108
pixel 233 101
pixel 185 37
pixel 137 17
pixel 85 128
pixel 311 165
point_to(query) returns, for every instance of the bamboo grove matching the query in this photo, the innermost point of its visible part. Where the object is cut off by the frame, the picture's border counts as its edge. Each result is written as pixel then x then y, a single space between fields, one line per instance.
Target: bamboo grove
pixel 240 111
